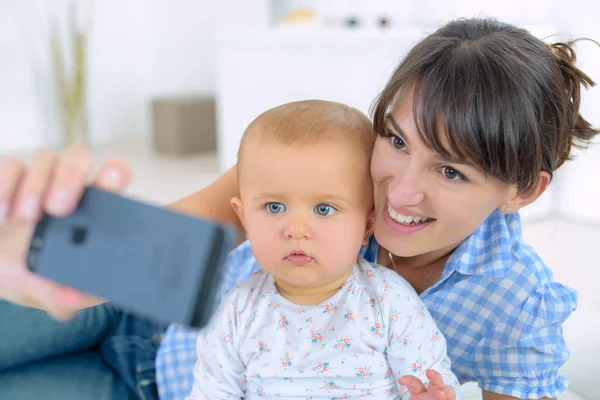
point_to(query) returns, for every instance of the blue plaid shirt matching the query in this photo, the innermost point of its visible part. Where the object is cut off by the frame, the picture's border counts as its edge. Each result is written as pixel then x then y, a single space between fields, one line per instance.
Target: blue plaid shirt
pixel 496 303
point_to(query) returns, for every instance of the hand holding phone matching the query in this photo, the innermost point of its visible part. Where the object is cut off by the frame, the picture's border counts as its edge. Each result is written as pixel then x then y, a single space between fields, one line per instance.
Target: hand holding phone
pixel 156 262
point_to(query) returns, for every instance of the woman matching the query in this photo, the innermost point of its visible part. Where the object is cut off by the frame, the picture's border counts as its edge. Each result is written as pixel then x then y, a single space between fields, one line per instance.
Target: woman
pixel 471 127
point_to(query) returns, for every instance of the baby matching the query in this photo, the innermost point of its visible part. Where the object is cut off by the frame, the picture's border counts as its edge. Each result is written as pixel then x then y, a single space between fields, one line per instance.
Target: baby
pixel 316 322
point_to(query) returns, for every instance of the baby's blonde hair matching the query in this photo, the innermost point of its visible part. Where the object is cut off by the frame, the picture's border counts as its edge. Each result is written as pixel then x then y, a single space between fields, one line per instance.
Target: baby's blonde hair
pixel 310 122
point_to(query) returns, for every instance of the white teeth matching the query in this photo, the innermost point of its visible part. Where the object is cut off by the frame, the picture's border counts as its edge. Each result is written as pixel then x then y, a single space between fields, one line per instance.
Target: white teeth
pixel 405 219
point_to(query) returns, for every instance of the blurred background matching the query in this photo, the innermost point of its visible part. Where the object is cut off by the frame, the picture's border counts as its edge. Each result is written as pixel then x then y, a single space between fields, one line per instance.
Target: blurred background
pixel 171 85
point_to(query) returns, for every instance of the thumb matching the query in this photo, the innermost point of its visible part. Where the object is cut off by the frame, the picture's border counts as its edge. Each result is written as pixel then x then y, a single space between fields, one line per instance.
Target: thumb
pixel 114 176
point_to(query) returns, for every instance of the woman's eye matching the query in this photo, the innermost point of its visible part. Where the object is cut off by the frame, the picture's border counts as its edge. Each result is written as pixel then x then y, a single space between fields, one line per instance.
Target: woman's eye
pixel 396 141
pixel 275 208
pixel 452 174
pixel 325 210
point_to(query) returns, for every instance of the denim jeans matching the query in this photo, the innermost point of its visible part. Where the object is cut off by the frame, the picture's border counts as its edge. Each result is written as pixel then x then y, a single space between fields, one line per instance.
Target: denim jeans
pixel 102 354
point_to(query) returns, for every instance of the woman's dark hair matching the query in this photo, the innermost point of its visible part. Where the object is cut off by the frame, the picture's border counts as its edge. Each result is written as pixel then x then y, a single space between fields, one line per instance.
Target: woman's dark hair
pixel 495 95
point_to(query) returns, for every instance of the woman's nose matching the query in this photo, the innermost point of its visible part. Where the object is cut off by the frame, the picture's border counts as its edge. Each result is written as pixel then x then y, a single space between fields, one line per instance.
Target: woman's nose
pixel 406 189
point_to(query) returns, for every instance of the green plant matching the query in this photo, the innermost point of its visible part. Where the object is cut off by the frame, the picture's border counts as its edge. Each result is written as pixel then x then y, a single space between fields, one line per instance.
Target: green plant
pixel 71 82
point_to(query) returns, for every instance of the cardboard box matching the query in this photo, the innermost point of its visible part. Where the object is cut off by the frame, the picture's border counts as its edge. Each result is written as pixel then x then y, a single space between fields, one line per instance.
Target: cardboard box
pixel 184 125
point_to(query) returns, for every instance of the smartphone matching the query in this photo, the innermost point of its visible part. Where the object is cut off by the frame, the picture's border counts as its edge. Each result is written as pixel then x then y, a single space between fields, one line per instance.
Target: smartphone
pixel 155 262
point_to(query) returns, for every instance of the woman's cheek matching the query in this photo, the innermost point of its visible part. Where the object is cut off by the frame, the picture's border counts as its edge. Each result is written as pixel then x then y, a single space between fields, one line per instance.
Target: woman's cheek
pixel 378 165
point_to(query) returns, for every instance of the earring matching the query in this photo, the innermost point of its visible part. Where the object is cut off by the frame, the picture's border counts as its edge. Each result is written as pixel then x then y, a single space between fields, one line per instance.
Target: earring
pixel 507 209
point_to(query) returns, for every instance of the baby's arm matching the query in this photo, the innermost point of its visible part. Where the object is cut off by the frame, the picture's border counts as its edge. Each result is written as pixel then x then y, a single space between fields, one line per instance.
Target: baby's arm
pixel 219 372
pixel 416 346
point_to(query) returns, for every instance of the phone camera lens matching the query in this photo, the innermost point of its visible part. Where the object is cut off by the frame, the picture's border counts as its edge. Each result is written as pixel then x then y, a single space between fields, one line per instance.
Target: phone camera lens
pixel 79 234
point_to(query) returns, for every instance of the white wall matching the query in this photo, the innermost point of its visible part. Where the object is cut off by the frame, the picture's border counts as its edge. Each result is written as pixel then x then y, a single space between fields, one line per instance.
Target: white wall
pixel 27 101
pixel 184 50
pixel 137 50
pixel 154 48
pixel 21 112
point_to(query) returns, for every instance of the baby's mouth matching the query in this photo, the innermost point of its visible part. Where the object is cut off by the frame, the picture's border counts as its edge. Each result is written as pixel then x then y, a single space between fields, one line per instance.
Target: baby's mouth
pixel 298 257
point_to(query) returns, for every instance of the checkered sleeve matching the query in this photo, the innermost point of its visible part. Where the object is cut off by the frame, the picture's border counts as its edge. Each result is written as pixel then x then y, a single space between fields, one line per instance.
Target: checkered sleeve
pixel 521 355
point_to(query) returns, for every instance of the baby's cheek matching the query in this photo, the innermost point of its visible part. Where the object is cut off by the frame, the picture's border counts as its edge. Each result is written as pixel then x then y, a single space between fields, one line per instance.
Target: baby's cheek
pixel 342 249
pixel 349 235
pixel 265 252
pixel 259 248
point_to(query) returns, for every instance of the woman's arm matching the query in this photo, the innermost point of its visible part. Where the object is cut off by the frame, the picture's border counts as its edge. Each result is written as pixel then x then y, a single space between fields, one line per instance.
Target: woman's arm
pixel 212 202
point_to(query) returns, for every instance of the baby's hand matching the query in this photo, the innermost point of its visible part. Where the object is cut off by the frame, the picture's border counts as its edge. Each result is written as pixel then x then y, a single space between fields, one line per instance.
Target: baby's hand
pixel 436 390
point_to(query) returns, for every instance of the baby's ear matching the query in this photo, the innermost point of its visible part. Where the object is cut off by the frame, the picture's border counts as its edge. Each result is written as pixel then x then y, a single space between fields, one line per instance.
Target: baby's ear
pixel 238 207
pixel 370 227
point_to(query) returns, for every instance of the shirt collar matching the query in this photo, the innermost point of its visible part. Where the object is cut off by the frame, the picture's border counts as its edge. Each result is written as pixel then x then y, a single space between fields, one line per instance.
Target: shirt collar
pixel 488 250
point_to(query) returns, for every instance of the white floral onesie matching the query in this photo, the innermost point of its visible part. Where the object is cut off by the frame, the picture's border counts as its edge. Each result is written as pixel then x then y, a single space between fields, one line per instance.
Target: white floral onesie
pixel 374 330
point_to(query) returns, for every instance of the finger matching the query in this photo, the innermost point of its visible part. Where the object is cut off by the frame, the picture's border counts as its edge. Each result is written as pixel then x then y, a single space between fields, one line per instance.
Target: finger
pixel 34 185
pixel 61 315
pixel 11 171
pixel 68 182
pixel 69 301
pixel 114 176
pixel 446 393
pixel 56 299
pixel 420 396
pixel 91 301
pixel 435 378
pixel 413 384
pixel 60 302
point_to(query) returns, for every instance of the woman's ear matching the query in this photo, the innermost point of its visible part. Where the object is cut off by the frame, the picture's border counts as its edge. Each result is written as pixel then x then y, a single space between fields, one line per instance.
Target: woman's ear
pixel 369 228
pixel 517 200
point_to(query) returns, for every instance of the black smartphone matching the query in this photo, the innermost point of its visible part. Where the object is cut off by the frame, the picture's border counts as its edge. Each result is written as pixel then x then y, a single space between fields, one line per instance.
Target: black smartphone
pixel 148 260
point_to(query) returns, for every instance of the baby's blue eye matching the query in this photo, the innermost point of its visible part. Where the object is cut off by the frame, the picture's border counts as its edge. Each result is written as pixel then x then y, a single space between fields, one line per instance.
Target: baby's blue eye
pixel 275 208
pixel 325 210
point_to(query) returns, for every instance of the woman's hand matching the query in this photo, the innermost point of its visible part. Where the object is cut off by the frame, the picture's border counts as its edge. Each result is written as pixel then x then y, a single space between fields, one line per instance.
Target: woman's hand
pixel 53 183
pixel 436 390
